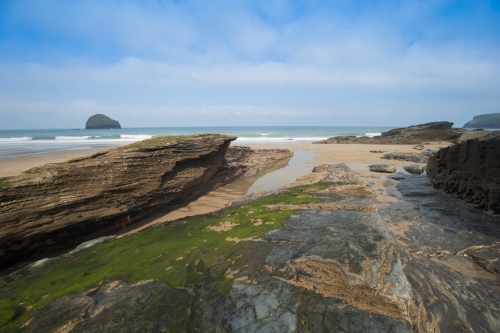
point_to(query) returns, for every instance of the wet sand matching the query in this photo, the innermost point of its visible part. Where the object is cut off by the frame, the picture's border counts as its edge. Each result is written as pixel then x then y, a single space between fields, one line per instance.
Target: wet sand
pixel 12 166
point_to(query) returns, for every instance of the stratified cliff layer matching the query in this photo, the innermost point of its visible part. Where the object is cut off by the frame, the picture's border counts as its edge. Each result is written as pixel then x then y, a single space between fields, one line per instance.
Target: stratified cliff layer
pixel 435 131
pixel 491 120
pixel 56 206
pixel 470 170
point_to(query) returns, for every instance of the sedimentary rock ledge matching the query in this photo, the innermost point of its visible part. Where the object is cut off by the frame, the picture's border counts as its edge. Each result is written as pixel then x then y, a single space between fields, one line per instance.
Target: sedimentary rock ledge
pixel 435 131
pixel 56 206
pixel 470 171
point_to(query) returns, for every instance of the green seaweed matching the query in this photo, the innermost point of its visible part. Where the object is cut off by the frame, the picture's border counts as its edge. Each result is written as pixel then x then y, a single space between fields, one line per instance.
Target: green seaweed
pixel 183 252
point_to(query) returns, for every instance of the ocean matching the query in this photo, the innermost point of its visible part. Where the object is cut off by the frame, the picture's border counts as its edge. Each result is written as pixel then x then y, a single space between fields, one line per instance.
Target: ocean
pixel 28 142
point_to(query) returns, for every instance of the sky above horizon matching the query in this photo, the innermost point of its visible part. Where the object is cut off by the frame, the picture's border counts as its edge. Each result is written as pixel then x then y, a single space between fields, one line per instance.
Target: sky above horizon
pixel 242 63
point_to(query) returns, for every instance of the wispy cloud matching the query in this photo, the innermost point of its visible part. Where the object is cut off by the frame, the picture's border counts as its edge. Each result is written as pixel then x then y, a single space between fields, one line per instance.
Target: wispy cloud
pixel 138 55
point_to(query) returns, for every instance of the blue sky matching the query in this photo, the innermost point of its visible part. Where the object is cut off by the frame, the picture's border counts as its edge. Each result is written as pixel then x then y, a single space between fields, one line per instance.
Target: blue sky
pixel 201 63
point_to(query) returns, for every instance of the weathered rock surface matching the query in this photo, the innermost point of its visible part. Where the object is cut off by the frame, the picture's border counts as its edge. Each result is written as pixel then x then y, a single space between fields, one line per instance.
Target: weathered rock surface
pixel 491 120
pixel 433 233
pixel 56 206
pixel 403 266
pixel 382 168
pixel 414 169
pixel 100 121
pixel 473 134
pixel 470 170
pixel 435 131
pixel 422 157
pixel 324 270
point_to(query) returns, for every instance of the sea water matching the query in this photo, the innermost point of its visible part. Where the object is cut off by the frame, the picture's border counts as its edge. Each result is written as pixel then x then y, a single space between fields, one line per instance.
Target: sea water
pixel 27 142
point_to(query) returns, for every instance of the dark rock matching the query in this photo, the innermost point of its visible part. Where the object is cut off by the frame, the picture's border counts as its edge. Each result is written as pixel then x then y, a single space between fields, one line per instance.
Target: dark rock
pixel 146 306
pixel 382 168
pixel 414 169
pixel 435 131
pixel 470 171
pixel 430 227
pixel 491 120
pixel 100 121
pixel 410 157
pixel 56 206
pixel 487 256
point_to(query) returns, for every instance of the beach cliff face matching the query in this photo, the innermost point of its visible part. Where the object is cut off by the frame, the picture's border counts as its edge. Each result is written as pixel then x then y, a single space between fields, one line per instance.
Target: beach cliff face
pixel 470 170
pixel 435 131
pixel 56 206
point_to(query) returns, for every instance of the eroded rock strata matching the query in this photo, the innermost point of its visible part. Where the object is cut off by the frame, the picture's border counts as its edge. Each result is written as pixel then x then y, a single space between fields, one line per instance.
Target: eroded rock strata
pixel 56 206
pixel 435 131
pixel 470 170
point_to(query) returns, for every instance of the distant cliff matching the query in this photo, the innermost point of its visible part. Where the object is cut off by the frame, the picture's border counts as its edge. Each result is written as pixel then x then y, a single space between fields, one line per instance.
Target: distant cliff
pixel 491 120
pixel 435 131
pixel 100 121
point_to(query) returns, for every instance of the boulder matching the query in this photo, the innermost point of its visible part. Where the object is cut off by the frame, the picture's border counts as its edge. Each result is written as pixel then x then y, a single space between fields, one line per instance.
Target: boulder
pixel 56 206
pixel 470 170
pixel 100 121
pixel 435 131
pixel 410 157
pixel 382 168
pixel 414 169
pixel 490 120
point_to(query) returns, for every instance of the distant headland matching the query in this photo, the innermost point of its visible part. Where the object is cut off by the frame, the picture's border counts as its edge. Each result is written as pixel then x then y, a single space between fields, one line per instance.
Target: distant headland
pixel 100 121
pixel 491 120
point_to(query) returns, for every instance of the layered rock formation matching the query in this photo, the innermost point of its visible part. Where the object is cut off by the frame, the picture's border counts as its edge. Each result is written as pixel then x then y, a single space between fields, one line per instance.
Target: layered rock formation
pixel 100 121
pixel 435 131
pixel 491 120
pixel 313 258
pixel 55 206
pixel 470 170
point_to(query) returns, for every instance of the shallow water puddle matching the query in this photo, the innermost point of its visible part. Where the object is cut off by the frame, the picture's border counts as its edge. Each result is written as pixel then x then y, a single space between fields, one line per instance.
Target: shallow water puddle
pixel 273 178
pixel 299 165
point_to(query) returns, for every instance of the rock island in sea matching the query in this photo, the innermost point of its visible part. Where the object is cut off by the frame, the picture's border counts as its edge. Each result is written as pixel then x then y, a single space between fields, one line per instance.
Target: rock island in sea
pixel 100 121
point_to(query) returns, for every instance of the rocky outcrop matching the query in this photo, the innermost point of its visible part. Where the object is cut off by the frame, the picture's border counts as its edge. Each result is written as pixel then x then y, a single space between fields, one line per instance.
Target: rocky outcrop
pixel 100 121
pixel 386 168
pixel 470 170
pixel 491 120
pixel 313 258
pixel 414 169
pixel 56 206
pixel 422 157
pixel 435 131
